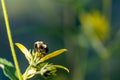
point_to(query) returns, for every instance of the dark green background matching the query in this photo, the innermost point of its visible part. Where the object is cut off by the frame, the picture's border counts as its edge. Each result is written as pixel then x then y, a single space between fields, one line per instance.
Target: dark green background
pixel 56 22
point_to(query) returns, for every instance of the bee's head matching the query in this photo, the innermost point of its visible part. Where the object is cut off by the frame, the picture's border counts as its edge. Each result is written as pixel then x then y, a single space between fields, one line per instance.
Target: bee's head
pixel 40 46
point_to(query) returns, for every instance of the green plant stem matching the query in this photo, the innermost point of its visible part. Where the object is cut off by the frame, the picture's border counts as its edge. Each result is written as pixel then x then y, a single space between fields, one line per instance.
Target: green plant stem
pixel 107 9
pixel 101 51
pixel 10 39
pixel 26 72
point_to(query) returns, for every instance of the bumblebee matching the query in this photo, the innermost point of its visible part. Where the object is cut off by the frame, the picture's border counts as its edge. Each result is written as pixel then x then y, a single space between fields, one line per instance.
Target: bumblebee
pixel 40 47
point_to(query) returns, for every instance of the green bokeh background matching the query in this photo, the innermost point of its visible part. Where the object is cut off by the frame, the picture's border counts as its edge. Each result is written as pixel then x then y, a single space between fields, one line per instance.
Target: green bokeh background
pixel 56 22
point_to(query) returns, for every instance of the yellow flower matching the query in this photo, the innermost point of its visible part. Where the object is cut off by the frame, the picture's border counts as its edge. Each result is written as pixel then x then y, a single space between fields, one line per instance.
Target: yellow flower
pixel 37 65
pixel 96 24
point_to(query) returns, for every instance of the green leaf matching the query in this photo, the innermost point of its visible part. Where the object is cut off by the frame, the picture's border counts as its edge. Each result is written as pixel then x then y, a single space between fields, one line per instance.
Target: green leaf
pixel 8 69
pixel 53 54
pixel 62 67
pixel 25 51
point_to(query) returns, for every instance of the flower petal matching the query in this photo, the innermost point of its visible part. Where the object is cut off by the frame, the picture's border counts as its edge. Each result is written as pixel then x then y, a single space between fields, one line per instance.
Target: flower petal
pixel 53 54
pixel 29 74
pixel 25 51
pixel 62 67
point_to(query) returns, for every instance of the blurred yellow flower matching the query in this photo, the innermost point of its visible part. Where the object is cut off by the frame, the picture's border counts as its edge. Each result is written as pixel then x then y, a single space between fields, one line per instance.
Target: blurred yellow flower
pixel 96 24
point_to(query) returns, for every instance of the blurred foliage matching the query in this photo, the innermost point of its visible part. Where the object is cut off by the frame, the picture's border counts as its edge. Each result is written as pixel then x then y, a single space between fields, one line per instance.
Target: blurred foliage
pixel 68 23
pixel 8 69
